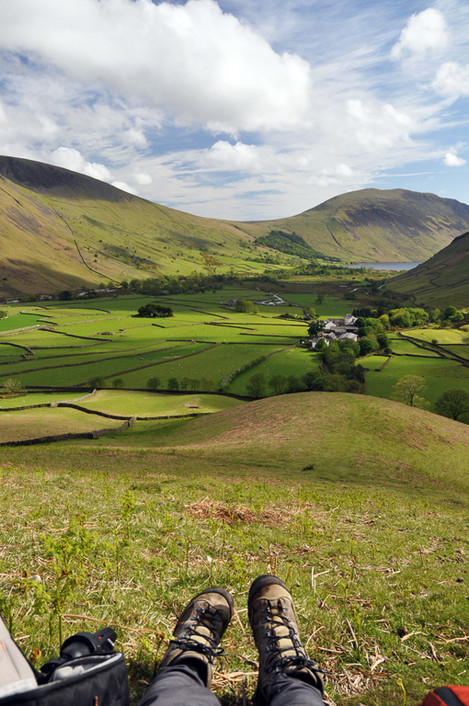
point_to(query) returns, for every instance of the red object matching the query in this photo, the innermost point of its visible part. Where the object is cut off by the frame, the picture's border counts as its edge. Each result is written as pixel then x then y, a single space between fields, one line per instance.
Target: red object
pixel 447 696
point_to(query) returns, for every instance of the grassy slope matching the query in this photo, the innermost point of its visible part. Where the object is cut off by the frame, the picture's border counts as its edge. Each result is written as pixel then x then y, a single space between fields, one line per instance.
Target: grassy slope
pixel 375 225
pixel 46 211
pixel 441 280
pixel 370 493
pixel 62 230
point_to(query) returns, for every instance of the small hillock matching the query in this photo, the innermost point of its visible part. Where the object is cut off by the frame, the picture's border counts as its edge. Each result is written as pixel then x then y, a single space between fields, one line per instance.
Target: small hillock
pixel 380 441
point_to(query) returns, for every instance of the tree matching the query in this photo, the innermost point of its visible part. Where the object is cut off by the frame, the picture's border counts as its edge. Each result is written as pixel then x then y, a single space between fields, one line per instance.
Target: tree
pixel 449 312
pixel 246 306
pixel 153 383
pixel 96 382
pixel 313 380
pixel 3 314
pixel 278 384
pixel 321 345
pixel 12 388
pixel 117 382
pixel 295 384
pixel 319 299
pixel 315 328
pixel 256 385
pixel 173 384
pixel 453 404
pixel 310 313
pixel 335 382
pixel 367 345
pixel 153 311
pixel 408 389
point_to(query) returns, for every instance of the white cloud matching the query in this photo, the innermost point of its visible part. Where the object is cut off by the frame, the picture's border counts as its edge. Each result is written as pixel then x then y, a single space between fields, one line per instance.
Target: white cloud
pixel 198 63
pixel 452 160
pixel 452 80
pixel 425 32
pixel 339 174
pixel 238 157
pixel 71 158
pixel 142 178
pixel 378 125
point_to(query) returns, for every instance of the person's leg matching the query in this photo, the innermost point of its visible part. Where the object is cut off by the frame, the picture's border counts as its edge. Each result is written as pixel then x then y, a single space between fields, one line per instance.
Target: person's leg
pixel 178 685
pixel 286 674
pixel 185 672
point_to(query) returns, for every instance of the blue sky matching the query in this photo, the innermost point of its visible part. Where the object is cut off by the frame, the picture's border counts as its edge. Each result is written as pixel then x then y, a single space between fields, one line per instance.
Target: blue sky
pixel 241 109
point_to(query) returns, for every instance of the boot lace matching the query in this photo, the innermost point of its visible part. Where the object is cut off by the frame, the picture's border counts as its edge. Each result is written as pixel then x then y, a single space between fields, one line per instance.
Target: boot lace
pixel 205 617
pixel 291 656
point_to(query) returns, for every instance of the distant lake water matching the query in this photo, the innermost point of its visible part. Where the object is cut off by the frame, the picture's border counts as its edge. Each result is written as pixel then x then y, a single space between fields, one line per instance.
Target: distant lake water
pixel 395 266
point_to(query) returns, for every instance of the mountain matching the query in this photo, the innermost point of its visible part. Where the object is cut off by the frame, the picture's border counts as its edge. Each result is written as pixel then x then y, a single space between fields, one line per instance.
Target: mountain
pixel 373 225
pixel 441 280
pixel 63 230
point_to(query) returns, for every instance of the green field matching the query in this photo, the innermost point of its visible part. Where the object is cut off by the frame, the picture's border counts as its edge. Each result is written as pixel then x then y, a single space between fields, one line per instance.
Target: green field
pixel 32 423
pixel 150 404
pixel 440 375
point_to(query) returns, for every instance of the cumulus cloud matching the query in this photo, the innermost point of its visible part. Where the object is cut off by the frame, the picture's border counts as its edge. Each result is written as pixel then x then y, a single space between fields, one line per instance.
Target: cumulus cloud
pixel 452 80
pixel 452 160
pixel 378 125
pixel 425 32
pixel 194 60
pixel 142 178
pixel 240 157
pixel 71 158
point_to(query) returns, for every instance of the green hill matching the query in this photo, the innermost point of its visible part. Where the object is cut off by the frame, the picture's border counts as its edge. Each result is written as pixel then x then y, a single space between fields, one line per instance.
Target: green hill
pixel 373 225
pixel 380 441
pixel 63 230
pixel 441 280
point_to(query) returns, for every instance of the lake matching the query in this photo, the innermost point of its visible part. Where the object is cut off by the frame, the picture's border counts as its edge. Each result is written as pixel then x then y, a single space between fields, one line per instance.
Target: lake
pixel 394 266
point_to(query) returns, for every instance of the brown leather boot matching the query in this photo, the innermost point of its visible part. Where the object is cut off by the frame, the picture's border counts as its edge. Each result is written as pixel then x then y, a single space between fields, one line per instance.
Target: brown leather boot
pixel 199 631
pixel 275 627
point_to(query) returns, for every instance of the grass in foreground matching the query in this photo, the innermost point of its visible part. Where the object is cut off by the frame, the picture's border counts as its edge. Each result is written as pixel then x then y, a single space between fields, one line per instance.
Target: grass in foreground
pixel 359 505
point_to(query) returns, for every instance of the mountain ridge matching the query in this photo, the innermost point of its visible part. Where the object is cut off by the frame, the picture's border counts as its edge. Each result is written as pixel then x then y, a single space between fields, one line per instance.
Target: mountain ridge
pixel 61 229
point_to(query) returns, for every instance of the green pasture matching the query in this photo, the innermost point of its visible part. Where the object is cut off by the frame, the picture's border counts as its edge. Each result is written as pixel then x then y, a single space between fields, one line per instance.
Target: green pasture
pixel 66 372
pixel 374 362
pixel 440 375
pixel 47 339
pixel 152 404
pixel 294 361
pixel 459 349
pixel 39 398
pixel 213 364
pixel 441 336
pixel 33 423
pixel 330 307
pixel 404 346
pixel 15 321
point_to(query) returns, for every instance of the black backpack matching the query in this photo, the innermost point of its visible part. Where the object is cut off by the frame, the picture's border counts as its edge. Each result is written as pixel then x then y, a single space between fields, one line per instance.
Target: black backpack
pixel 88 673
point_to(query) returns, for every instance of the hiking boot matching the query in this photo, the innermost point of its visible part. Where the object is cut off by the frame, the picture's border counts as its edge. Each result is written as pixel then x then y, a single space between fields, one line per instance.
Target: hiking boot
pixel 275 627
pixel 199 631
